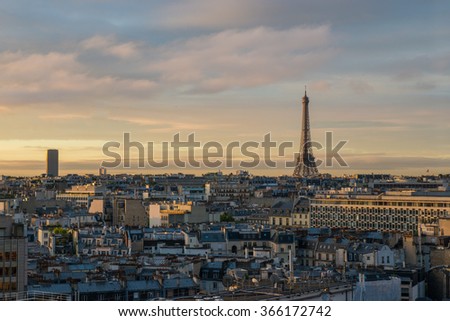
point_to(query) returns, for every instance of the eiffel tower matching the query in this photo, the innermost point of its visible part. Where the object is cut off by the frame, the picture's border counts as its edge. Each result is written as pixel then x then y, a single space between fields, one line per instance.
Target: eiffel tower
pixel 306 163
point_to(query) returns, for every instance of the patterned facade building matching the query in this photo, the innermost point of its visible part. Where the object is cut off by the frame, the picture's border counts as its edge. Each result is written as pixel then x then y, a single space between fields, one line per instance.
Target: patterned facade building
pixel 391 211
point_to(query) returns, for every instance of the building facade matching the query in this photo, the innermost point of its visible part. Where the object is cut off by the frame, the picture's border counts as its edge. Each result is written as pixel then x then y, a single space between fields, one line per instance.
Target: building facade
pixel 129 212
pixel 82 195
pixel 13 258
pixel 391 211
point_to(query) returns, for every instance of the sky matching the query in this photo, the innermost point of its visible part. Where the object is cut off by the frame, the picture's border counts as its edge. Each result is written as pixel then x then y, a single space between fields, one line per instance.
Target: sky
pixel 77 74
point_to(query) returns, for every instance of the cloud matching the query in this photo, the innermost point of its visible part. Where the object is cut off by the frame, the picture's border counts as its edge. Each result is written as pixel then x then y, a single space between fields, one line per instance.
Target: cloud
pixel 199 14
pixel 395 162
pixel 63 116
pixel 320 86
pixel 424 85
pixel 60 77
pixel 221 61
pixel 360 86
pixel 108 45
pixel 35 167
pixel 331 124
pixel 242 58
pixel 5 110
pixel 419 66
pixel 20 164
pixel 170 126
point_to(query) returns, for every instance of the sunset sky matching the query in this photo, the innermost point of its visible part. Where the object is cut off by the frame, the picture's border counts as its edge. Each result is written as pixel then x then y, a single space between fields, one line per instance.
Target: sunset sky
pixel 76 74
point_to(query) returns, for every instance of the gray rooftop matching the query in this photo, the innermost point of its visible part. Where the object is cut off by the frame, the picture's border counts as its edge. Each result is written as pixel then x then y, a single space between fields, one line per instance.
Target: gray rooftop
pixel 285 205
pixel 63 288
pixel 143 285
pixel 212 236
pixel 111 286
pixel 178 283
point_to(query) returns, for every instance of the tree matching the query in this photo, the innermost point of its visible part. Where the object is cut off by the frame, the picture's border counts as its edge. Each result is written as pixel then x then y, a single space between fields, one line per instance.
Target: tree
pixel 60 230
pixel 225 217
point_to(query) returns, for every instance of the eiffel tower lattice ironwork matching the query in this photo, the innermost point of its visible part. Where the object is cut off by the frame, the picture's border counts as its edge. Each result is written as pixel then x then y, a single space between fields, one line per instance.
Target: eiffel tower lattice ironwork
pixel 306 163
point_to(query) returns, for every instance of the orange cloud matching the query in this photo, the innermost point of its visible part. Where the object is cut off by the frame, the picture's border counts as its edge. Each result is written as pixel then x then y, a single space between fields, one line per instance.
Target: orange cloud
pixel 242 58
pixel 34 77
pixel 108 45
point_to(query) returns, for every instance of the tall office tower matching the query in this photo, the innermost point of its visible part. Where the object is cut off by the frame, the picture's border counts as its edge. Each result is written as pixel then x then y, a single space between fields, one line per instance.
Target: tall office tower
pixel 306 164
pixel 52 162
pixel 102 171
pixel 13 258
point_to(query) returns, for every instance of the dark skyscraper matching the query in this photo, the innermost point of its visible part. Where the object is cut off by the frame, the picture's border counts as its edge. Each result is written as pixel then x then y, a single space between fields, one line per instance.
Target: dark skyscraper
pixel 52 162
pixel 306 164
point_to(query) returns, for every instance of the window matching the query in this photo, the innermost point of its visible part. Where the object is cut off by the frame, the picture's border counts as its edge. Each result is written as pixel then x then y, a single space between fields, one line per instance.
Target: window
pixel 387 259
pixel 8 286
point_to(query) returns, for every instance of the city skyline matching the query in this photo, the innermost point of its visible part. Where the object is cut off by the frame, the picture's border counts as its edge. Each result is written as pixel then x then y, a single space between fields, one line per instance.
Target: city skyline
pixel 78 74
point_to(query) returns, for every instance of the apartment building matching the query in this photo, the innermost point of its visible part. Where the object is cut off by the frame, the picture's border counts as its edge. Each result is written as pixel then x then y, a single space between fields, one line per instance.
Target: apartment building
pixel 390 211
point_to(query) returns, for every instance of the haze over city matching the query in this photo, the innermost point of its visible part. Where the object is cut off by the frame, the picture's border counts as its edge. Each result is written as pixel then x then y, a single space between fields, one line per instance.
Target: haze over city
pixel 77 74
